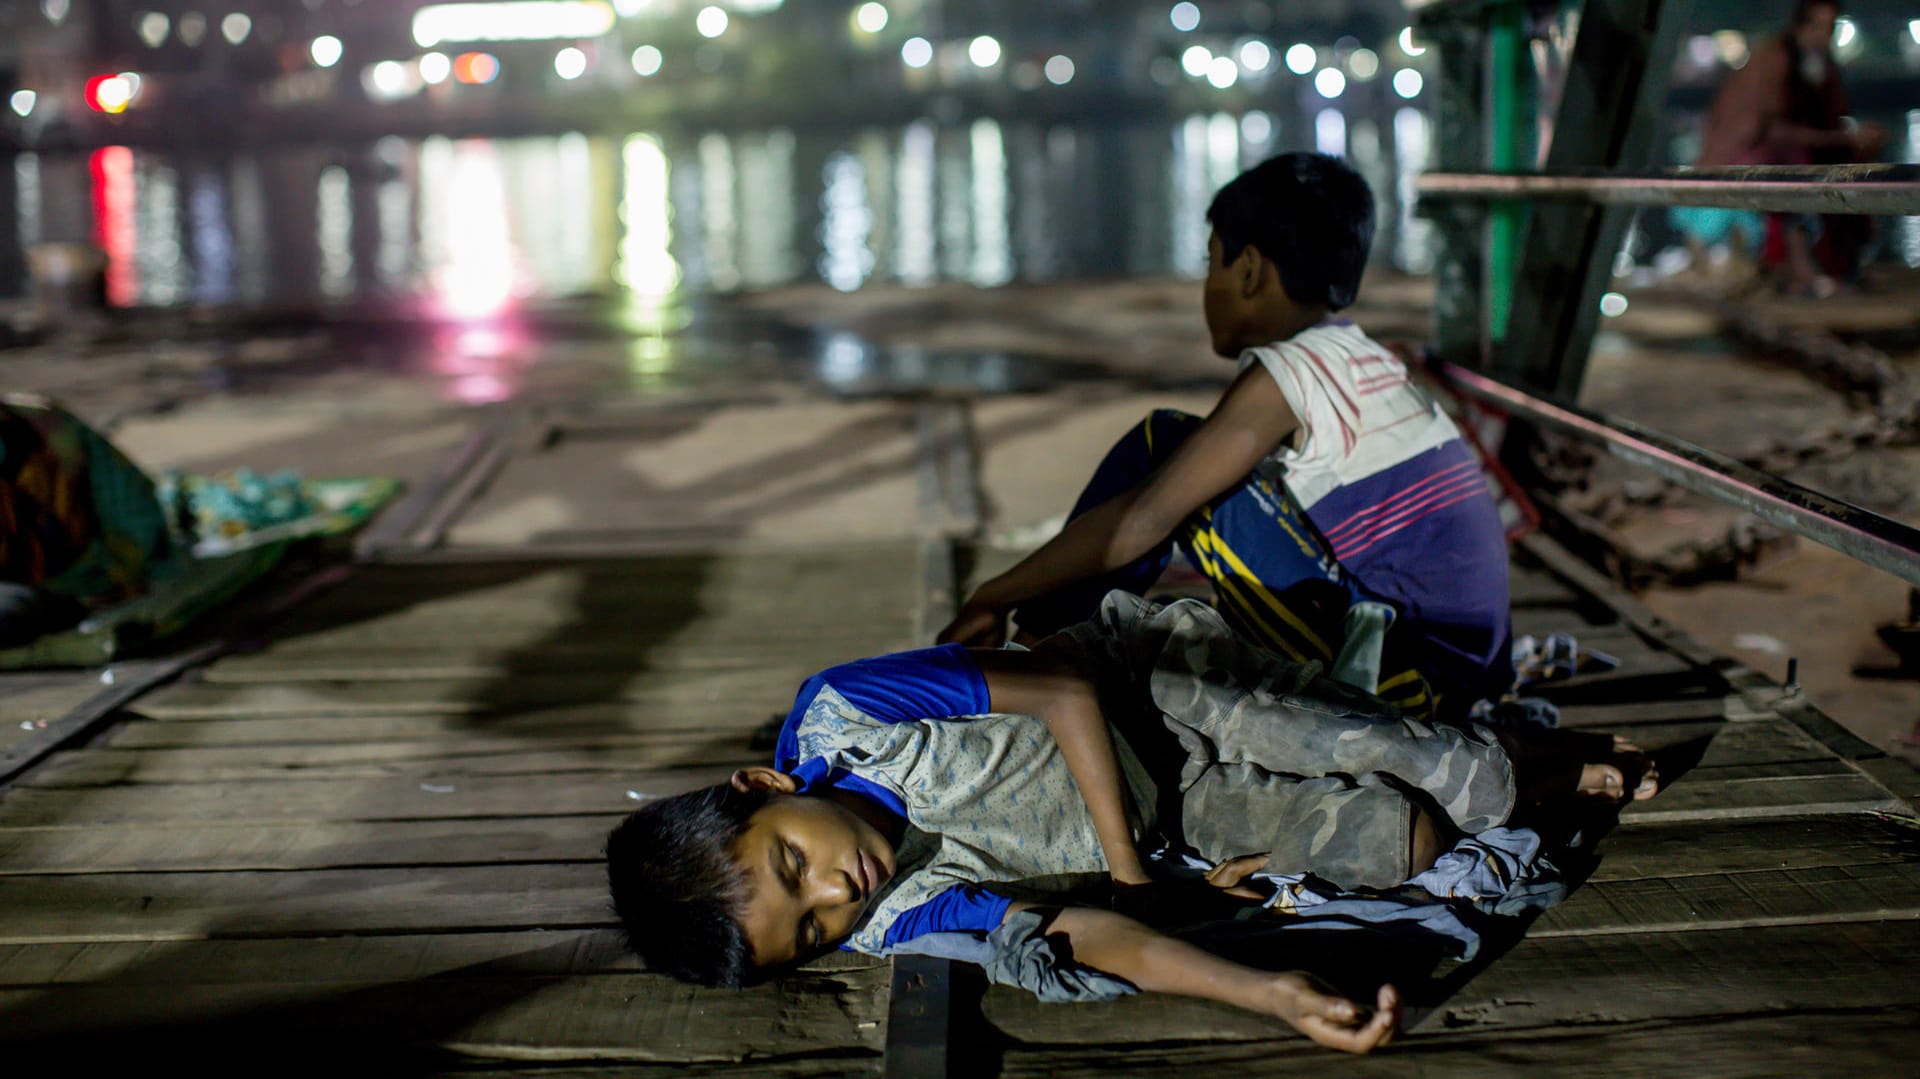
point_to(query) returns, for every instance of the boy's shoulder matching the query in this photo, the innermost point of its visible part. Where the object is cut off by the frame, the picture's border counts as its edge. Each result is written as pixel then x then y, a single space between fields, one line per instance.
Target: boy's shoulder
pixel 1340 337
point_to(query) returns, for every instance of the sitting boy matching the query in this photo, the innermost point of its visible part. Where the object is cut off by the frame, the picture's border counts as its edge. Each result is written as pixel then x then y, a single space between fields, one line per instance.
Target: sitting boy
pixel 1322 478
pixel 917 794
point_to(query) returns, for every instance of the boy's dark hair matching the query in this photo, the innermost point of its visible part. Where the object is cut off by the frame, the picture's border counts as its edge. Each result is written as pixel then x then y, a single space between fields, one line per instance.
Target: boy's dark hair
pixel 1311 215
pixel 1803 11
pixel 677 888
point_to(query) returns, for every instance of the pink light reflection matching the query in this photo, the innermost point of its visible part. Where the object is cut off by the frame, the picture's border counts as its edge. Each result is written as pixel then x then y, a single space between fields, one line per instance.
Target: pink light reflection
pixel 481 389
pixel 113 223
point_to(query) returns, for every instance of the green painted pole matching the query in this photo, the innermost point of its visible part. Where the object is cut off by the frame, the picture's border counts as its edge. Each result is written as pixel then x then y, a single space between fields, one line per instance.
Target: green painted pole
pixel 1505 145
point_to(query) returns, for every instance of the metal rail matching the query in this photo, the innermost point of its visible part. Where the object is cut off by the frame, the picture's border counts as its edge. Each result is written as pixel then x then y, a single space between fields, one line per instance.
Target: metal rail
pixel 1850 189
pixel 1878 541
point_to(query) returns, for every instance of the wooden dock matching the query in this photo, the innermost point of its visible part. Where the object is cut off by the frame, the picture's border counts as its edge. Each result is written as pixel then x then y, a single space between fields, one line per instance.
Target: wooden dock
pixel 374 843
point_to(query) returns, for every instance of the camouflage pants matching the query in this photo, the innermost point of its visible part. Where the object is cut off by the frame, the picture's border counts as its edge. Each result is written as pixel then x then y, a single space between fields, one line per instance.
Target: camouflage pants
pixel 1271 756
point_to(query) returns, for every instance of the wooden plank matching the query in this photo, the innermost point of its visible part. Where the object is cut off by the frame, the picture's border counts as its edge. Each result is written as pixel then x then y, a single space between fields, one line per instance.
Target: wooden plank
pixel 1868 1041
pixel 412 1023
pixel 442 760
pixel 350 959
pixel 1702 798
pixel 1592 988
pixel 136 846
pixel 407 664
pixel 1876 890
pixel 668 693
pixel 1580 714
pixel 271 802
pixel 1680 850
pixel 199 906
pixel 544 724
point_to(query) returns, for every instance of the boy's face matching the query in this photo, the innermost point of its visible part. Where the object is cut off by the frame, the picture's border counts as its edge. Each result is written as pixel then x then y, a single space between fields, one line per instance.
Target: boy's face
pixel 812 869
pixel 1232 299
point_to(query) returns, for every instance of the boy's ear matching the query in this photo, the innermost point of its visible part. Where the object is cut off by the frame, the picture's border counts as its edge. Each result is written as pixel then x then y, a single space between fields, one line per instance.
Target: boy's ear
pixel 1251 268
pixel 759 778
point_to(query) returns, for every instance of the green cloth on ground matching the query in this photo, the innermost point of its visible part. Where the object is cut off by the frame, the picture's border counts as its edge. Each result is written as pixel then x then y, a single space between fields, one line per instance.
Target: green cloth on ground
pixel 82 523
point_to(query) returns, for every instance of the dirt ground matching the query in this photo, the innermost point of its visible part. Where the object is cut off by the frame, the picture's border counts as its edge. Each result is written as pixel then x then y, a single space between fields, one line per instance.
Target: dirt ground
pixel 1663 363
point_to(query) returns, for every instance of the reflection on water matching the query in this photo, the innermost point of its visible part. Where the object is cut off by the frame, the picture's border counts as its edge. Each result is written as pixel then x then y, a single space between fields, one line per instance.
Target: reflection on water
pixel 471 227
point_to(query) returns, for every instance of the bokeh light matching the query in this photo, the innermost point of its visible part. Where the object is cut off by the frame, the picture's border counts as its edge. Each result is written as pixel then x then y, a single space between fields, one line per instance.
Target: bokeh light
pixel 711 22
pixel 1408 83
pixel 1196 60
pixel 1408 45
pixel 916 52
pixel 235 27
pixel 435 68
pixel 570 63
pixel 326 50
pixel 984 51
pixel 1059 70
pixel 1222 72
pixel 646 61
pixel 871 17
pixel 476 68
pixel 1185 16
pixel 1363 64
pixel 1255 55
pixel 1301 57
pixel 22 102
pixel 1330 82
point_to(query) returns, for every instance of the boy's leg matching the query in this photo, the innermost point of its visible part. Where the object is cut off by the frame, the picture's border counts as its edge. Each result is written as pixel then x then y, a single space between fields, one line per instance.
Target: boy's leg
pixel 1354 833
pixel 1236 704
pixel 1277 583
pixel 1127 464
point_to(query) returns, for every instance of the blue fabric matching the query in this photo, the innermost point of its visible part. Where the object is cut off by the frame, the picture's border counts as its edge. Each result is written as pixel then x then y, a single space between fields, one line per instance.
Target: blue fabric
pixel 926 683
pixel 961 908
pixel 1239 515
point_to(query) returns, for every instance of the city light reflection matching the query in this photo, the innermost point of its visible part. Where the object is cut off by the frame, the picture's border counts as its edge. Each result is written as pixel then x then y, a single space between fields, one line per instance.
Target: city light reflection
pixel 475 278
pixel 914 256
pixel 992 257
pixel 113 222
pixel 845 260
pixel 721 231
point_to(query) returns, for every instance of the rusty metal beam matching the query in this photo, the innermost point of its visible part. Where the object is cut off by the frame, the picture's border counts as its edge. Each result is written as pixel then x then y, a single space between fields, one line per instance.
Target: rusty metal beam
pixel 1859 533
pixel 1844 189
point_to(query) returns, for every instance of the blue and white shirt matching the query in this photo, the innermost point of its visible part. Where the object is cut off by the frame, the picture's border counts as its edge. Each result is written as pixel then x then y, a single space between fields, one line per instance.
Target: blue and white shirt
pixel 987 797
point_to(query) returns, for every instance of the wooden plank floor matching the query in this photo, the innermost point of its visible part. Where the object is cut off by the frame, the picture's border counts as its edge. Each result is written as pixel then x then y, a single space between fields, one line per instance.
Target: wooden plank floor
pixel 1760 917
pixel 378 837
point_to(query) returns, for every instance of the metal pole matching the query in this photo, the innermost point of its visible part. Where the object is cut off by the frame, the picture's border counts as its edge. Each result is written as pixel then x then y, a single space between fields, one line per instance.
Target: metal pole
pixel 1858 533
pixel 1896 195
pixel 1505 57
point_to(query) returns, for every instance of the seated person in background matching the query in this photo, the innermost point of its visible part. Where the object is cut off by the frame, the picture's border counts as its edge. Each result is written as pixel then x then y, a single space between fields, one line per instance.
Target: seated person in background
pixel 1322 479
pixel 919 793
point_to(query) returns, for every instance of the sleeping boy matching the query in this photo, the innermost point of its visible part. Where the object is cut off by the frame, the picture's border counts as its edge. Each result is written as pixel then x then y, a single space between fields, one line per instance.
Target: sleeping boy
pixel 955 790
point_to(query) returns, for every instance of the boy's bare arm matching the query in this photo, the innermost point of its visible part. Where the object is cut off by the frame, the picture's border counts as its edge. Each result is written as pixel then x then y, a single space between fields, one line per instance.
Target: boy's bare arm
pixel 1050 687
pixel 1158 963
pixel 1250 422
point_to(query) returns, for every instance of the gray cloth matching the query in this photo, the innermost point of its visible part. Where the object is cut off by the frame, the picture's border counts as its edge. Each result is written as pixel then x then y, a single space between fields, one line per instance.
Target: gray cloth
pixel 1019 954
pixel 1276 758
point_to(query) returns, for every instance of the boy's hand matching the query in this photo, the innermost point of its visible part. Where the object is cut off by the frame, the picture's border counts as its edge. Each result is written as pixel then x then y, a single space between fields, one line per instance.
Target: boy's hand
pixel 976 626
pixel 1230 876
pixel 1332 1020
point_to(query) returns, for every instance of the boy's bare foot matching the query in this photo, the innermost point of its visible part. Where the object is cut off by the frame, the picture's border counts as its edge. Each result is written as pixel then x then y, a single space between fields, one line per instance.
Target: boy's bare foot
pixel 1608 779
pixel 1552 767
